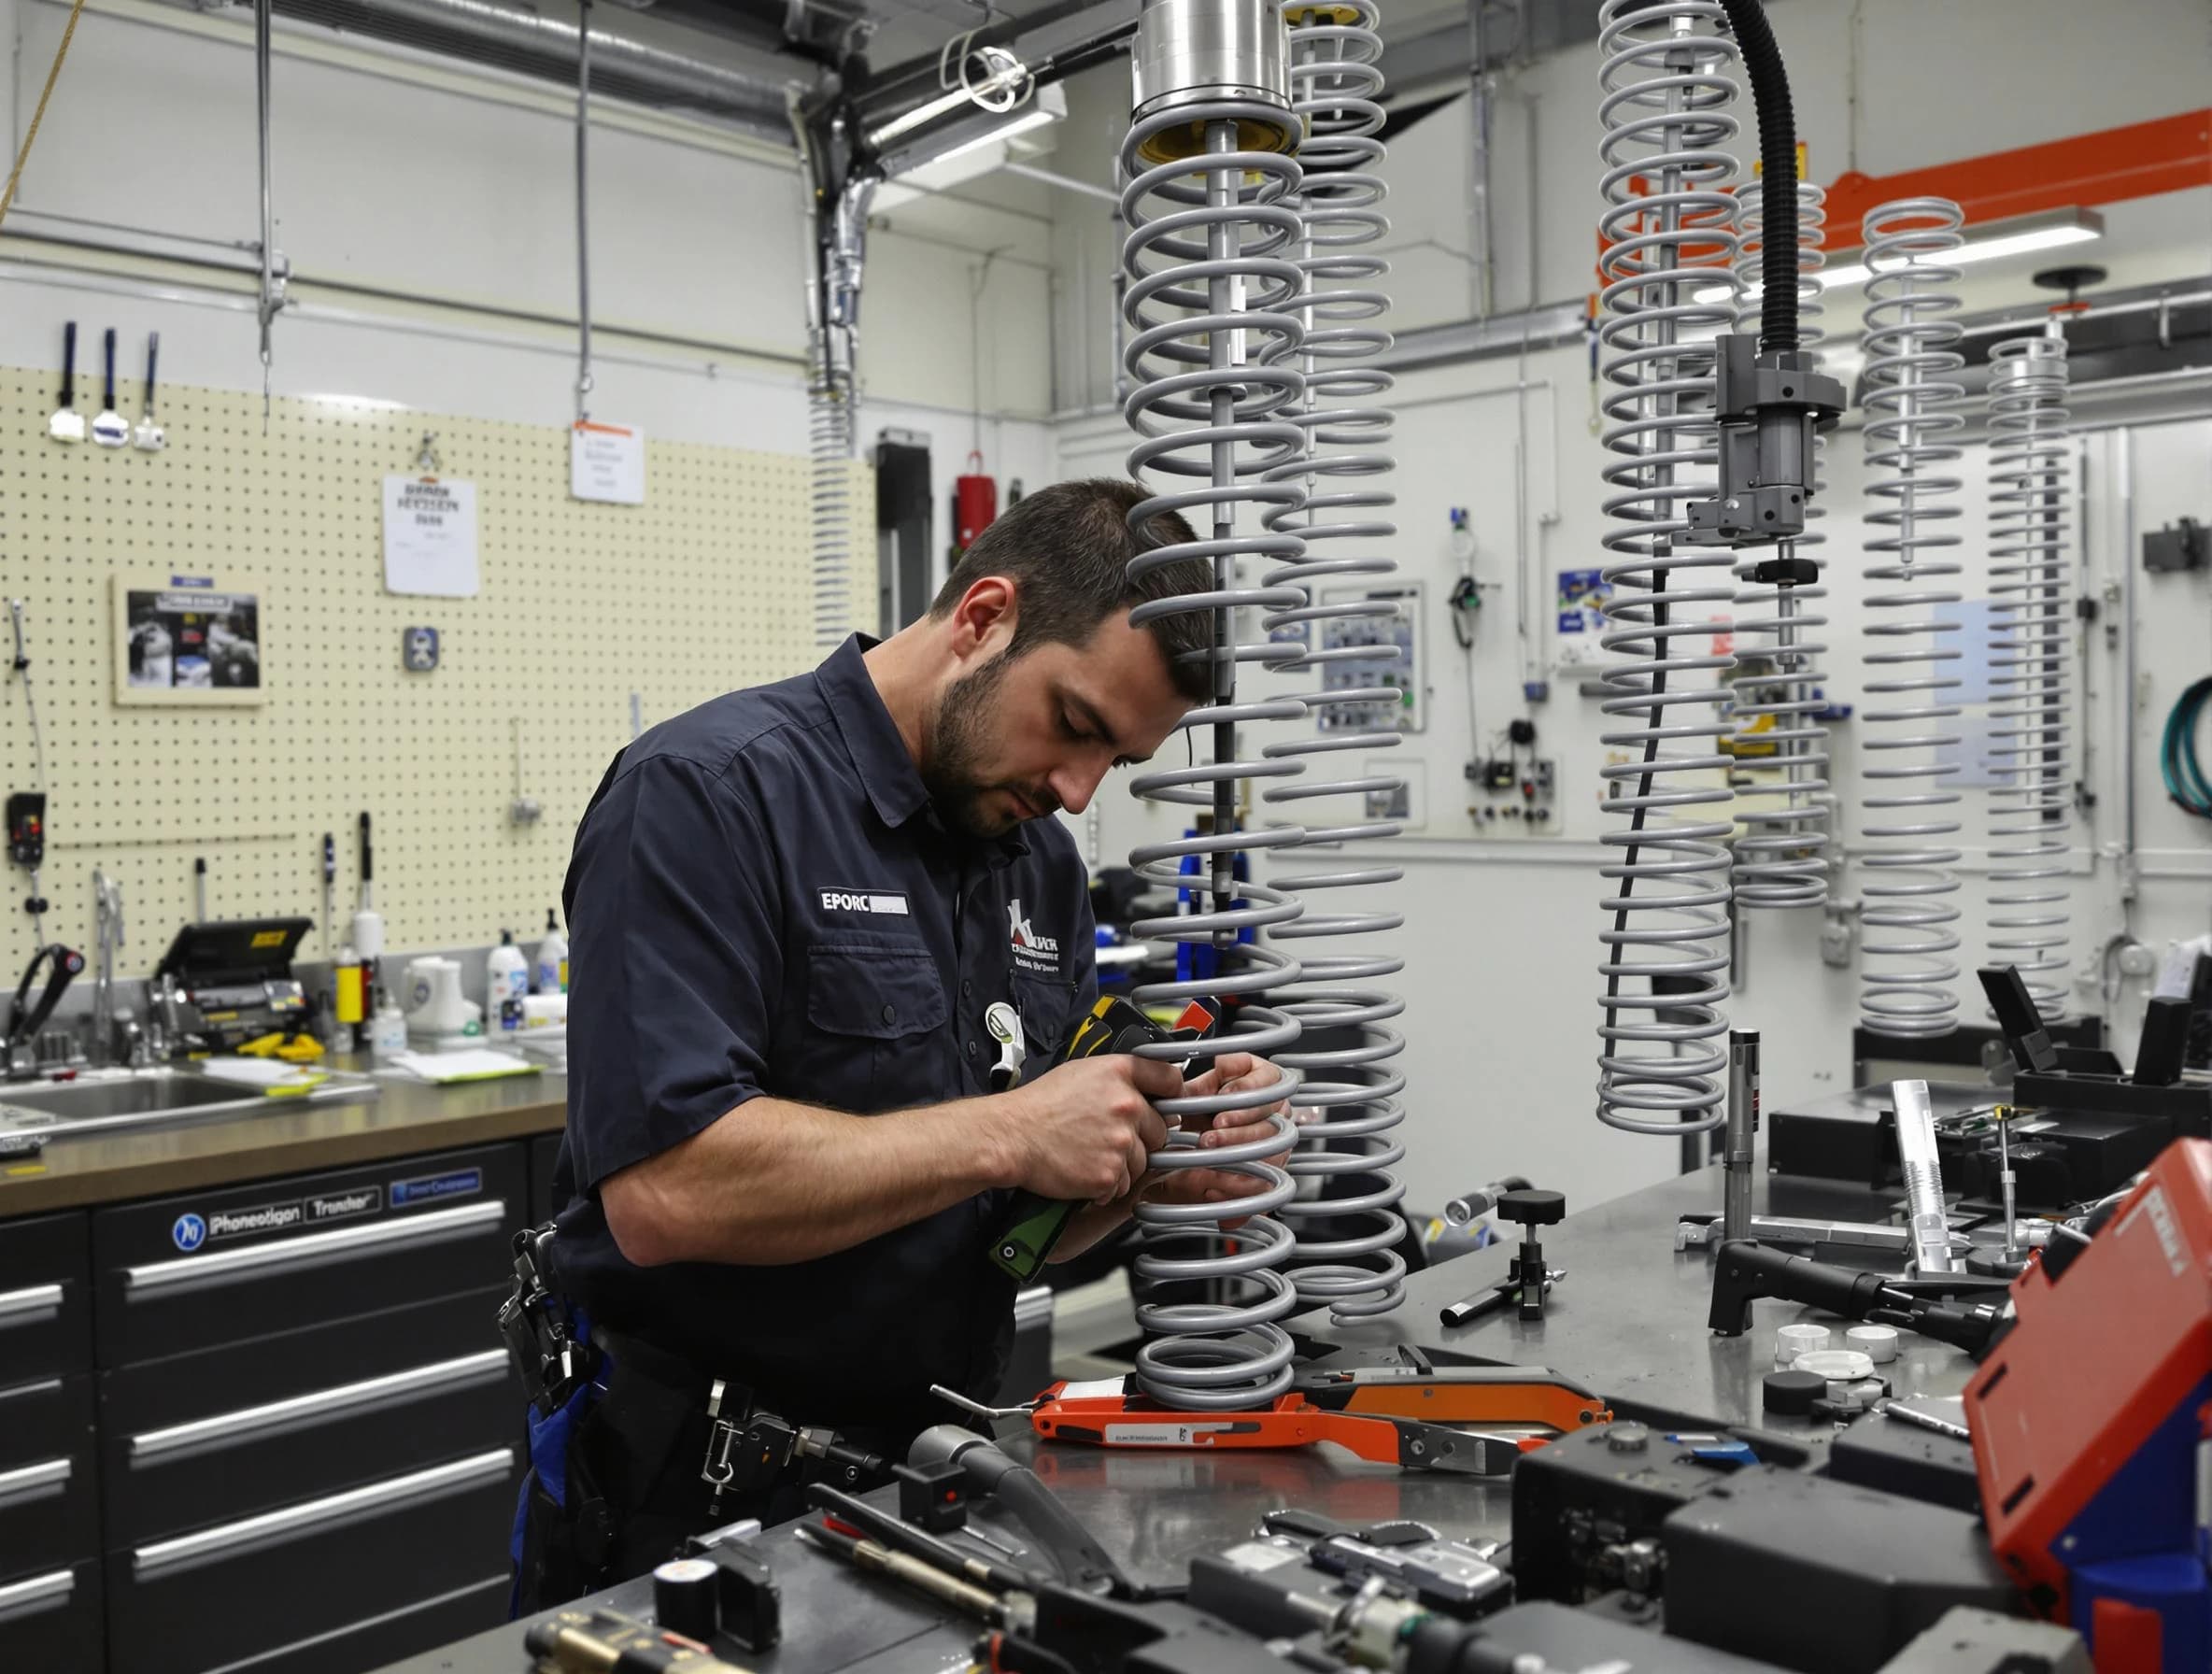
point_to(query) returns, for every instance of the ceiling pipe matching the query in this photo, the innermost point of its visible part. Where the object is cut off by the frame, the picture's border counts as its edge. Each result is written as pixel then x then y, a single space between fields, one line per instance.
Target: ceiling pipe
pixel 652 74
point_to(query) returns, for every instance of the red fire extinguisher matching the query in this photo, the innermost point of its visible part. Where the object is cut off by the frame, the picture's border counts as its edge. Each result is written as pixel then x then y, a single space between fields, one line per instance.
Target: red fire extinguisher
pixel 976 502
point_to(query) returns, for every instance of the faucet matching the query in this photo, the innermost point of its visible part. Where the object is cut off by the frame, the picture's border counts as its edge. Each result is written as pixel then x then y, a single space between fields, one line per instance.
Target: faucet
pixel 107 898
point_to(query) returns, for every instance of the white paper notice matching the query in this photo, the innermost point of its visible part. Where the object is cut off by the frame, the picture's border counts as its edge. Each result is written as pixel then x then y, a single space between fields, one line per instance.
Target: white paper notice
pixel 607 461
pixel 430 536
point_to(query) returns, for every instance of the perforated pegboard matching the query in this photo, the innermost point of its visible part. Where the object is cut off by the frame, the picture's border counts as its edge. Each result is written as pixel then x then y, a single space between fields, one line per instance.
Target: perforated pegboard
pixel 704 587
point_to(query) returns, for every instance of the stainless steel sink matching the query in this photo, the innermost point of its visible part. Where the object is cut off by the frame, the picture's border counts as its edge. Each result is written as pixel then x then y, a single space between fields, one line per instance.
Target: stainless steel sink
pixel 101 1101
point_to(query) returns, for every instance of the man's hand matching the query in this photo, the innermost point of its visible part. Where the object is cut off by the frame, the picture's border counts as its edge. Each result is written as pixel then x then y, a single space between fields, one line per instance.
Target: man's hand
pixel 1084 1130
pixel 1231 1073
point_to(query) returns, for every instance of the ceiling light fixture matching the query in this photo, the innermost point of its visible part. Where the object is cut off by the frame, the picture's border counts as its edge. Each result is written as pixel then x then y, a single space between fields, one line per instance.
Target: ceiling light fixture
pixel 1991 241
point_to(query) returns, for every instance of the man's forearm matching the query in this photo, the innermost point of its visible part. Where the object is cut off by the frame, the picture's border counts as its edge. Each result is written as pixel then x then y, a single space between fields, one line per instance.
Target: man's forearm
pixel 774 1183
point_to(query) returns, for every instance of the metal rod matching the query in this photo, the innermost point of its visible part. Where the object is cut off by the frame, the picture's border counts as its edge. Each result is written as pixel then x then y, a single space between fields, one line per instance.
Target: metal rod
pixel 1743 1129
pixel 2007 1180
pixel 1923 1178
pixel 272 299
pixel 583 213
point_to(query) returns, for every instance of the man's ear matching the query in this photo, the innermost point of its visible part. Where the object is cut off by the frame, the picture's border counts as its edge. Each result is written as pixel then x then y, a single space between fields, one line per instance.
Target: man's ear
pixel 984 620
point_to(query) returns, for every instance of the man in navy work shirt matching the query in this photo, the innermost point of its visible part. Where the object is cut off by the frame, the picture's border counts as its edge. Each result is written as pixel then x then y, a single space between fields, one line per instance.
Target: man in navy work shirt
pixel 791 908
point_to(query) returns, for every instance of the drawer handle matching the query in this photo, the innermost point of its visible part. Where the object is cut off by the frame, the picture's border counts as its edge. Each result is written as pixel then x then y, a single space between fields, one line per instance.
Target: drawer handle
pixel 40 1591
pixel 373 1500
pixel 37 1299
pixel 427 1227
pixel 322 1403
pixel 29 1479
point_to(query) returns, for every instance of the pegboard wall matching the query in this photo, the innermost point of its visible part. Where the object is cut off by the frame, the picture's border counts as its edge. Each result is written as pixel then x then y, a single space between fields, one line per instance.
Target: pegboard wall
pixel 703 588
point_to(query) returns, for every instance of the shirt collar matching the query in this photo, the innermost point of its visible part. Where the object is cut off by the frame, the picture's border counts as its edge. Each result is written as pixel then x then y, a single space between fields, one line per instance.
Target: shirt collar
pixel 879 754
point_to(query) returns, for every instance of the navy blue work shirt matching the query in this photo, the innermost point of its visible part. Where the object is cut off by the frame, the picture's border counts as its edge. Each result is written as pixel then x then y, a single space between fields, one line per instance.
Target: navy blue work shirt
pixel 762 900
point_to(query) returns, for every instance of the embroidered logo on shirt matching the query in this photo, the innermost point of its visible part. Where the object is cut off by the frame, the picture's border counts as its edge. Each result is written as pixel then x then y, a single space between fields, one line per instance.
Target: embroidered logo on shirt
pixel 863 900
pixel 1031 952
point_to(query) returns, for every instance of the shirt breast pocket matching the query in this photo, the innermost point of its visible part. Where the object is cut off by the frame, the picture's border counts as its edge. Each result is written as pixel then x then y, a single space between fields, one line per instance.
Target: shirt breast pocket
pixel 1047 1007
pixel 876 1016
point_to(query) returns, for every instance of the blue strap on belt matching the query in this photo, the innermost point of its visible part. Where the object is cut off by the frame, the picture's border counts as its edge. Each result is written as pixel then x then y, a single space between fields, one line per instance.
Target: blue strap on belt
pixel 549 1435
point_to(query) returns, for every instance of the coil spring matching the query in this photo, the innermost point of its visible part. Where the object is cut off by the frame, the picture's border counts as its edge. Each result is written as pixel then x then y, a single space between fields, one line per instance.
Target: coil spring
pixel 1211 307
pixel 1910 400
pixel 1352 1090
pixel 1781 853
pixel 829 447
pixel 2030 590
pixel 1666 86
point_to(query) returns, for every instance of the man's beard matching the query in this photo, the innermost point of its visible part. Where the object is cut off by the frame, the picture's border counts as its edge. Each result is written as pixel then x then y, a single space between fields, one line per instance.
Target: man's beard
pixel 957 742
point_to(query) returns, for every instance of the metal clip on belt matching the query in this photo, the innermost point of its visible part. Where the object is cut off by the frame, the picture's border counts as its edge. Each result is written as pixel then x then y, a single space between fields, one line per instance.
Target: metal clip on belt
pixel 745 1449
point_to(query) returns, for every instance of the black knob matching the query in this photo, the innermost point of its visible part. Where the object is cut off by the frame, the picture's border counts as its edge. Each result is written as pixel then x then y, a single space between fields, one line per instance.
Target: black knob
pixel 1792 1392
pixel 1533 1208
pixel 687 1597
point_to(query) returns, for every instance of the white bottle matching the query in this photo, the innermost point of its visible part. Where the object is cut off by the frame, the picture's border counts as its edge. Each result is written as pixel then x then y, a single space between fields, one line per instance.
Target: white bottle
pixel 548 973
pixel 388 1035
pixel 506 981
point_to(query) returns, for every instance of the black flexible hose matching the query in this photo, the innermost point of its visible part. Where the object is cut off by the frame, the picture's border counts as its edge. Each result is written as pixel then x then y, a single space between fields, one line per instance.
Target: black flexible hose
pixel 1778 173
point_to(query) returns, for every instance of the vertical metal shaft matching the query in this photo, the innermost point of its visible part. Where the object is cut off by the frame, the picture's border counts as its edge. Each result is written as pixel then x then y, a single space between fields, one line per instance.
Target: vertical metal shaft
pixel 2008 1185
pixel 1923 1178
pixel 1743 1132
pixel 1222 351
pixel 584 212
pixel 271 300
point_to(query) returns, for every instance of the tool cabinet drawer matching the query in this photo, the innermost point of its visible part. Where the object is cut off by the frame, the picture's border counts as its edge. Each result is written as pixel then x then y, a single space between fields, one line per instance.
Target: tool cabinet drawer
pixel 51 1618
pixel 50 1504
pixel 195 1271
pixel 232 1431
pixel 460 1611
pixel 226 1593
pixel 46 1296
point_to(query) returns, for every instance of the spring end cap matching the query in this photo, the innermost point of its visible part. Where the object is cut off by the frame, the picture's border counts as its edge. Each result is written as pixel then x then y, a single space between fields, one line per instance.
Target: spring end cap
pixel 1178 142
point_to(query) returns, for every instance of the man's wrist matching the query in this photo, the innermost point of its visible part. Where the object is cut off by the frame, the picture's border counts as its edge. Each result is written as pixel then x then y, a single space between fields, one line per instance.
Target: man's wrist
pixel 1005 1147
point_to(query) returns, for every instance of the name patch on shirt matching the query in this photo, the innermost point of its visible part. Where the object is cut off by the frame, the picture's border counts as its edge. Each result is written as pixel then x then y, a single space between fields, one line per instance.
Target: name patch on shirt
pixel 864 901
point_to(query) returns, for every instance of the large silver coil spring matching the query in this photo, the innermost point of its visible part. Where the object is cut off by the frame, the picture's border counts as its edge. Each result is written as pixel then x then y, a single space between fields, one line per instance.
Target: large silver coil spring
pixel 1666 85
pixel 1352 1087
pixel 1211 305
pixel 1781 857
pixel 1910 719
pixel 830 448
pixel 2031 593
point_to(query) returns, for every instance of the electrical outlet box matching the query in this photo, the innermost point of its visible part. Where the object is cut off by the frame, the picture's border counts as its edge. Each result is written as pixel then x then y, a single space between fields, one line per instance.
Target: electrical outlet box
pixel 1514 797
pixel 1396 662
pixel 419 650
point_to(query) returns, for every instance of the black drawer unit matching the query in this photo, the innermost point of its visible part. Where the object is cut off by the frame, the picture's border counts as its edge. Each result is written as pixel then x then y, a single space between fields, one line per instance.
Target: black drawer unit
pixel 46 1296
pixel 272 1582
pixel 52 1619
pixel 375 1642
pixel 181 1274
pixel 217 1436
pixel 545 1151
pixel 50 1500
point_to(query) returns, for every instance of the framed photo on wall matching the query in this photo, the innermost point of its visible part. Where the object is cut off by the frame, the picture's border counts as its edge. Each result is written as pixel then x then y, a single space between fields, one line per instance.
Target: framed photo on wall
pixel 189 640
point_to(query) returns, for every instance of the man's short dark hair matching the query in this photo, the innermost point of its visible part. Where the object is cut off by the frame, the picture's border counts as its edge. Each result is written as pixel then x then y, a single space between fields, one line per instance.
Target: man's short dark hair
pixel 1067 550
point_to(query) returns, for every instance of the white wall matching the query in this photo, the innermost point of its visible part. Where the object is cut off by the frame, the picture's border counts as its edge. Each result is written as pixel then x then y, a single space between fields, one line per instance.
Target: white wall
pixel 422 204
pixel 1500 940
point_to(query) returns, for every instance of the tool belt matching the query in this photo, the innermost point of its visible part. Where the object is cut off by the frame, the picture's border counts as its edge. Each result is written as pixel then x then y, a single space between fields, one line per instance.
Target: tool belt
pixel 652 1448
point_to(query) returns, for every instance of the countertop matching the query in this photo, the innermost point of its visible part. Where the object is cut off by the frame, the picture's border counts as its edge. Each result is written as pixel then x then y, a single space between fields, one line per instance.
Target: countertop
pixel 289 1137
pixel 1628 1320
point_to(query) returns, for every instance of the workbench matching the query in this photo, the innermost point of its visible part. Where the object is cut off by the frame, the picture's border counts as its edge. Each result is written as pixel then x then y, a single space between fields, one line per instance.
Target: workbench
pixel 289 1137
pixel 1628 1320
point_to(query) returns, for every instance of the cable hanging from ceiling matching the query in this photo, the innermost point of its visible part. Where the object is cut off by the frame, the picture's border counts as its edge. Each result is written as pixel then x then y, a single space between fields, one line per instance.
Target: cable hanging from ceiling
pixel 1667 86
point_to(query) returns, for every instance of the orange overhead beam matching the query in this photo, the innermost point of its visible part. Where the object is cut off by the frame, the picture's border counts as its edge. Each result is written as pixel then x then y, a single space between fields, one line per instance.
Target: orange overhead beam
pixel 2169 153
